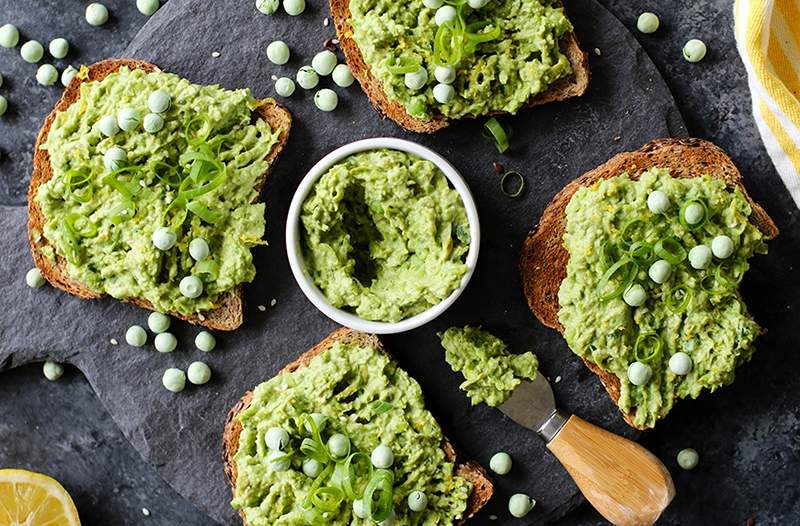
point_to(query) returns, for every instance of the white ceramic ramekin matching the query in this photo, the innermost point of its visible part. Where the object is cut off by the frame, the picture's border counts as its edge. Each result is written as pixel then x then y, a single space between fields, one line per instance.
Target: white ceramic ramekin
pixel 295 253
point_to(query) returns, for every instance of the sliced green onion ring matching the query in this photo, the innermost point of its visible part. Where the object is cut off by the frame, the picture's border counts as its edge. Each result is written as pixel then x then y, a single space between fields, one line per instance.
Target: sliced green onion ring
pixel 203 212
pixel 627 268
pixel 403 65
pixel 640 251
pixel 327 498
pixel 670 250
pixel 520 186
pixel 378 495
pixel 198 128
pixel 678 299
pixel 495 131
pixel 80 225
pixel 207 267
pixel 608 253
pixel 686 205
pixel 647 347
pixel 626 231
pixel 729 274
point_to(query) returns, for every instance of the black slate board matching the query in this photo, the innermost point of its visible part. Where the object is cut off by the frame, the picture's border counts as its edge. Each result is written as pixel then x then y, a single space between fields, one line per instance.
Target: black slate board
pixel 627 105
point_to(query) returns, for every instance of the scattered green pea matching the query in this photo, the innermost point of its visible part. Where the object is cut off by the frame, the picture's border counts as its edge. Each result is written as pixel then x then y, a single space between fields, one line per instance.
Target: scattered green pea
pixel 307 78
pixel 519 505
pixel 31 51
pixel 9 36
pixel 34 278
pixel 358 509
pixel 417 501
pixel 128 119
pixel 191 287
pixel 700 257
pixel 165 342
pixel 59 47
pixel 500 463
pixel 174 380
pixel 198 249
pixel 342 76
pixel 657 202
pixel 382 457
pixel 135 336
pixel 278 52
pixel 660 271
pixel 312 468
pixel 153 123
pixel 199 373
pixel 68 75
pixel 695 50
pixel 443 93
pixel 680 363
pixel 688 458
pixel 722 247
pixel 324 62
pixel 279 461
pixel 326 99
pixel 52 370
pixel 276 439
pixel 268 7
pixel 338 445
pixel 294 7
pixel 635 295
pixel 96 14
pixel 445 74
pixel 205 341
pixel 164 238
pixel 158 322
pixel 159 101
pixel 284 87
pixel 639 373
pixel 47 75
pixel 445 14
pixel 115 158
pixel 147 7
pixel 433 4
pixel 648 23
pixel 416 80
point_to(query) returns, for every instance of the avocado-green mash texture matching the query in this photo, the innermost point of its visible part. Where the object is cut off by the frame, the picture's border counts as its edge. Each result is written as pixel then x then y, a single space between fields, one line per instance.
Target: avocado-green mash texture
pixel 500 76
pixel 384 235
pixel 120 259
pixel 715 329
pixel 346 383
pixel 490 372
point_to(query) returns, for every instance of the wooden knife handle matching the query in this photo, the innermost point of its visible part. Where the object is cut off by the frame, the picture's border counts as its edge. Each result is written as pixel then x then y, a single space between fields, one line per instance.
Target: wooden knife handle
pixel 626 483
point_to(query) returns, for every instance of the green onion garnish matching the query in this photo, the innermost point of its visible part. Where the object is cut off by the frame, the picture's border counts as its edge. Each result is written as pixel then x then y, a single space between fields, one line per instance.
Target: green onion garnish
pixel 492 129
pixel 403 65
pixel 627 231
pixel 678 299
pixel 626 269
pixel 641 252
pixel 378 495
pixel 608 253
pixel 647 347
pixel 729 274
pixel 80 225
pixel 327 498
pixel 670 250
pixel 379 406
pixel 520 185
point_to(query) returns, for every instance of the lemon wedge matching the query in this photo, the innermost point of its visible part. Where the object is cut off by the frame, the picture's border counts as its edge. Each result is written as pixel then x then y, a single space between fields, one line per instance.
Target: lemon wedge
pixel 32 499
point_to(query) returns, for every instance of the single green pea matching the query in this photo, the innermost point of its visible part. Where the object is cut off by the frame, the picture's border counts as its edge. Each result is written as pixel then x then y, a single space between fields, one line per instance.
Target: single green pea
pixel 635 295
pixel 433 4
pixel 198 373
pixel 165 342
pixel 307 78
pixel 34 278
pixel 500 463
pixel 268 7
pixel 174 380
pixel 52 370
pixel 148 7
pixel 164 238
pixel 96 14
pixel 338 445
pixel 31 51
pixel 416 80
pixel 382 457
pixel 520 504
pixel 279 461
pixel 9 36
pixel 278 52
pixel 417 501
pixel 284 87
pixel 199 249
pixel 443 93
pixel 722 247
pixel 648 23
pixel 694 213
pixel 342 76
pixel 128 119
pixel 358 509
pixel 639 373
pixel 312 468
pixel 445 74
pixel 324 62
pixel 158 322
pixel 477 4
pixel 68 75
pixel 191 287
pixel 108 126
pixel 445 14
pixel 59 47
pixel 660 271
pixel 695 50
pixel 115 158
pixel 136 336
pixel 688 458
pixel 326 99
pixel 47 75
pixel 3 105
pixel 159 101
pixel 680 363
pixel 657 202
pixel 205 341
pixel 294 7
pixel 276 439
pixel 153 123
pixel 700 257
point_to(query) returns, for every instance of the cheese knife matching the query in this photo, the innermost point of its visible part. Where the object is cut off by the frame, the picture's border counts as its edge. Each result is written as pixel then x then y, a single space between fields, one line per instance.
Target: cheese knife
pixel 625 483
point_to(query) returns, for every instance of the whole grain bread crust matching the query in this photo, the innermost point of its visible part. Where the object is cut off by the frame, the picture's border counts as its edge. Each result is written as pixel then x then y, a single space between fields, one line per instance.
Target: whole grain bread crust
pixel 228 314
pixel 543 263
pixel 574 85
pixel 482 488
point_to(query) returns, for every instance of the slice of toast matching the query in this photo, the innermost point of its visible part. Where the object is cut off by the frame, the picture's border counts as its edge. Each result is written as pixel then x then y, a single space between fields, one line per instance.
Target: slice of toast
pixel 543 263
pixel 574 85
pixel 228 315
pixel 482 488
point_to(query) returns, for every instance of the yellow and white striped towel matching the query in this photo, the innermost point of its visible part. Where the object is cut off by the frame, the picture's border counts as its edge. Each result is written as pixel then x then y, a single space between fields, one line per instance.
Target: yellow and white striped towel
pixel 768 37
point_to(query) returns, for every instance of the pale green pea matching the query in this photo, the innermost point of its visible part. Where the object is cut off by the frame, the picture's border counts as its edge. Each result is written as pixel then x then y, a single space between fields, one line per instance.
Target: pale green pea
pixel 657 202
pixel 635 295
pixel 648 23
pixel 693 213
pixel 276 438
pixel 688 458
pixel 417 501
pixel 695 50
pixel 31 51
pixel 660 271
pixel 338 445
pixel 312 468
pixel 445 74
pixel 284 87
pixel 198 373
pixel 382 457
pixel 34 278
pixel 444 14
pixel 416 80
pixel 3 105
pixel 153 123
pixel 433 4
pixel 639 373
pixel 159 101
pixel 47 75
pixel 96 14
pixel 358 509
pixel 326 99
pixel 205 341
pixel 52 370
pixel 519 505
pixel 700 257
pixel 174 380
pixel 59 47
pixel 68 75
pixel 198 249
pixel 324 62
pixel 136 336
pixel 477 4
pixel 279 461
pixel 722 247
pixel 500 463
pixel 164 238
pixel 165 342
pixel 9 36
pixel 158 322
pixel 443 93
pixel 342 76
pixel 294 7
pixel 307 78
pixel 268 7
pixel 191 287
pixel 128 119
pixel 147 7
pixel 680 363
pixel 278 52
pixel 115 158
pixel 108 126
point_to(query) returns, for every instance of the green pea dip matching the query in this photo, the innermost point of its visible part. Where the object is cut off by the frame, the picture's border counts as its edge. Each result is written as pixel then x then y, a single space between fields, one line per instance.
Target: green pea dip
pixel 111 253
pixel 490 373
pixel 499 76
pixel 367 397
pixel 384 235
pixel 712 325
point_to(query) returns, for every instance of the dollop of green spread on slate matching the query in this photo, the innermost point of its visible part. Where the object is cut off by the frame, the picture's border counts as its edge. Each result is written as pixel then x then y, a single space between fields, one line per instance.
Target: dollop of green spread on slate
pixel 715 329
pixel 346 383
pixel 490 372
pixel 385 235
pixel 120 259
pixel 500 76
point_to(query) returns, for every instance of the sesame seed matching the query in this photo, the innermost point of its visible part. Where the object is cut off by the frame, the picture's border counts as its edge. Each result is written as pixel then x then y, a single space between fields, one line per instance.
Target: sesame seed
pixel 145 512
pixel 114 341
pixel 273 302
pixel 326 22
pixel 215 54
pixel 597 51
pixel 262 308
pixel 201 317
pixel 558 379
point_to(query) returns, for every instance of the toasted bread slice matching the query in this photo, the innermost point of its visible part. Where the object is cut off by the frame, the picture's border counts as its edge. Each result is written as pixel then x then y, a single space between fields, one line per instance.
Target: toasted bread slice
pixel 228 315
pixel 482 488
pixel 543 263
pixel 574 85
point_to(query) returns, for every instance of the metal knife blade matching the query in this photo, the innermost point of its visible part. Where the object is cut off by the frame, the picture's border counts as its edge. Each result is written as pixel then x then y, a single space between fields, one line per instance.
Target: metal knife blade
pixel 532 405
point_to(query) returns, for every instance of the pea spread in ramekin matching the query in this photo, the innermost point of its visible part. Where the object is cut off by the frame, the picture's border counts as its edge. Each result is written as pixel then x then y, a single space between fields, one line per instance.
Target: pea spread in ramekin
pixel 143 164
pixel 384 235
pixel 358 393
pixel 651 293
pixel 456 60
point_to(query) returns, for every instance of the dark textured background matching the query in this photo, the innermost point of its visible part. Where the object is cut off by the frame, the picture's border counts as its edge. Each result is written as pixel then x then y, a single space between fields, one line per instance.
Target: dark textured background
pixel 746 434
